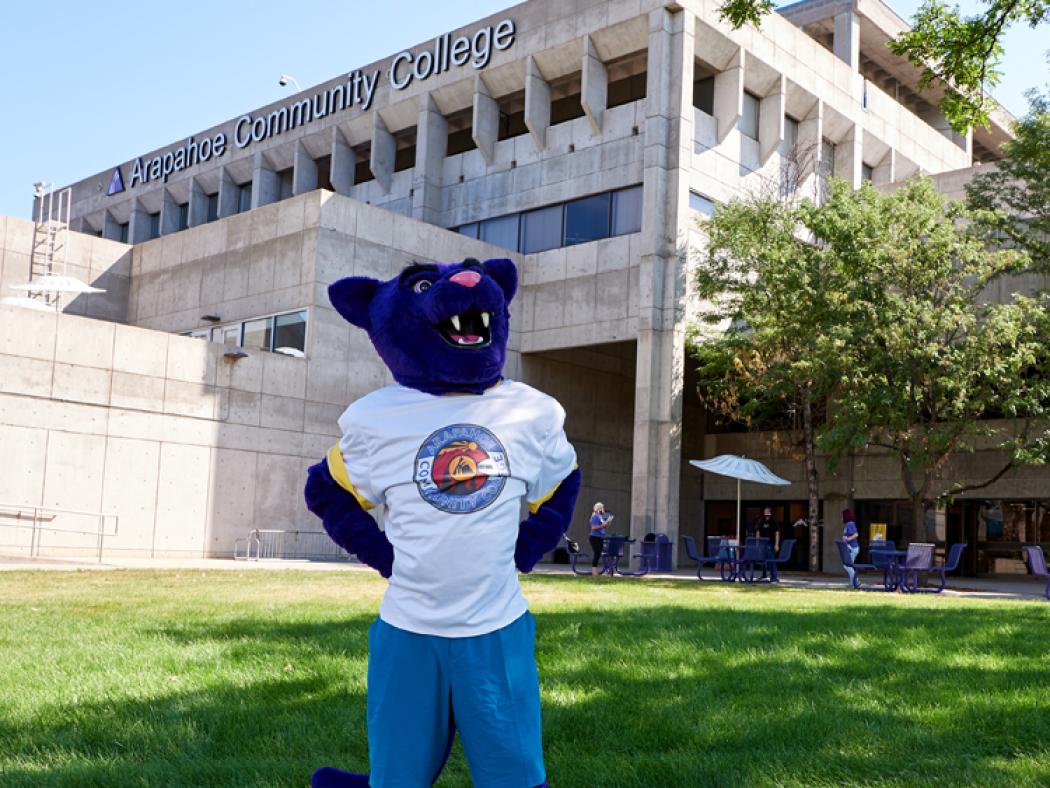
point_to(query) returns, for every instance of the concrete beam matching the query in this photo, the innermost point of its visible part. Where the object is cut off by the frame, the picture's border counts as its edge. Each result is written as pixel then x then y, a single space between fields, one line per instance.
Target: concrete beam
pixel 344 163
pixel 846 38
pixel 849 152
pixel 384 151
pixel 729 95
pixel 266 184
pixel 229 194
pixel 484 127
pixel 594 93
pixel 304 170
pixel 431 145
pixel 771 121
pixel 198 210
pixel 537 104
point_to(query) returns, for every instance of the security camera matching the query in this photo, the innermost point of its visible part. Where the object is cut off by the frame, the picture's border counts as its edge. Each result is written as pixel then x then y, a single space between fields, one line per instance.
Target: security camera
pixel 282 81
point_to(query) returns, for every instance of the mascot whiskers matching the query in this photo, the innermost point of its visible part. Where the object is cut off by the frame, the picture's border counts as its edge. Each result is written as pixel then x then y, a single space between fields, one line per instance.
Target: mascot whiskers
pixel 449 452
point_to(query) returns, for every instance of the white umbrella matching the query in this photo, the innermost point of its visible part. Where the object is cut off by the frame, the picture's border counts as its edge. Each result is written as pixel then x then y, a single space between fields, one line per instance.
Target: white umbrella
pixel 739 468
pixel 49 283
pixel 28 303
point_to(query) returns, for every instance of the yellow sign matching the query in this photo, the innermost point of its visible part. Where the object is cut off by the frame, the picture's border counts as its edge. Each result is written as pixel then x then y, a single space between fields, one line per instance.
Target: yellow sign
pixel 878 532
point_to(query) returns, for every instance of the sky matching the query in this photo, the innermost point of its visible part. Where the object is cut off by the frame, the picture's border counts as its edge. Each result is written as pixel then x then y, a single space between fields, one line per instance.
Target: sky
pixel 89 85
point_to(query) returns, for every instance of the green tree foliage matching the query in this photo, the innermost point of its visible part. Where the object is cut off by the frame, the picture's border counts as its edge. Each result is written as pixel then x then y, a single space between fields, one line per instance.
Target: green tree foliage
pixel 1015 195
pixel 960 53
pixel 880 303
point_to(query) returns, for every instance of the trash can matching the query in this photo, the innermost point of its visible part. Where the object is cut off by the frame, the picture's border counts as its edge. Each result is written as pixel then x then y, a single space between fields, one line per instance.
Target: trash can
pixel 657 548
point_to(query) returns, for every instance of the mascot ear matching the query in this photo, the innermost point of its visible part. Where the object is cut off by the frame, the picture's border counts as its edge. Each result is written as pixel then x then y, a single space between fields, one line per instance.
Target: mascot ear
pixel 505 274
pixel 352 297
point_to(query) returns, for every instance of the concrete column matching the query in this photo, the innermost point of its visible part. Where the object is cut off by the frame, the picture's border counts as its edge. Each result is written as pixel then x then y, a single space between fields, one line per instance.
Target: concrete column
pixel 484 127
pixel 198 210
pixel 537 104
pixel 138 226
pixel 661 290
pixel 266 185
pixel 110 227
pixel 729 95
pixel 886 170
pixel 431 144
pixel 846 38
pixel 849 157
pixel 229 194
pixel 771 121
pixel 304 170
pixel 383 153
pixel 344 163
pixel 169 215
pixel 594 92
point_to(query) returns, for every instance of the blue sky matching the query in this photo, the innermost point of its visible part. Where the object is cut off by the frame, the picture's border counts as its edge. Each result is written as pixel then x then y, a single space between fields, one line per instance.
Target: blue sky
pixel 88 85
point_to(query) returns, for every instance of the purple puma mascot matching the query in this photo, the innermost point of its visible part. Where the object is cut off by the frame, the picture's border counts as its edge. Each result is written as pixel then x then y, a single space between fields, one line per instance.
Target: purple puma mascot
pixel 448 452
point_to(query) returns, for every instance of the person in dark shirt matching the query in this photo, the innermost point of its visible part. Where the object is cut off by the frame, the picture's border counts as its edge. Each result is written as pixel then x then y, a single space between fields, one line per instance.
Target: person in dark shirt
pixel 767 528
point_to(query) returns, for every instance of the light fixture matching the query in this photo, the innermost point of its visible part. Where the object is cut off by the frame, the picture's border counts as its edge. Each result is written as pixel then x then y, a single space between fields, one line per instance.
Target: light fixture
pixel 286 78
pixel 211 318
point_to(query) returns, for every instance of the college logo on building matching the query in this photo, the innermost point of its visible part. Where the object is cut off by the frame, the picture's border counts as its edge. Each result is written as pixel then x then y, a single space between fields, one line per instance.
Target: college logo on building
pixel 461 468
pixel 116 183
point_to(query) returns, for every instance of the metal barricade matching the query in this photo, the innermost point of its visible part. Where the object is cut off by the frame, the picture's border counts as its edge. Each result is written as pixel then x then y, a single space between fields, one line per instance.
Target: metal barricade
pixel 273 544
pixel 33 528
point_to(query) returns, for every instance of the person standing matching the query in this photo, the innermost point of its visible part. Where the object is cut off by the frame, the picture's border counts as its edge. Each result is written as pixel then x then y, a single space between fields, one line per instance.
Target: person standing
pixel 851 537
pixel 768 529
pixel 599 519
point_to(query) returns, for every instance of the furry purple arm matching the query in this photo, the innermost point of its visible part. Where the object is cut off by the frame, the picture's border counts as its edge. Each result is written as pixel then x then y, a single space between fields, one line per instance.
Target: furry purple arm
pixel 542 531
pixel 349 526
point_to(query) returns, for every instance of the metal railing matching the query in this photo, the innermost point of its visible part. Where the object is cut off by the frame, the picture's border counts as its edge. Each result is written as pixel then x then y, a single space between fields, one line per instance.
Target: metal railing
pixel 35 522
pixel 287 545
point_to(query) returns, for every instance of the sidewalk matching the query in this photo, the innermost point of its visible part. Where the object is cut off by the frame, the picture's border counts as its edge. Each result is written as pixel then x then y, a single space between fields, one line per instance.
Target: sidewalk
pixel 998 587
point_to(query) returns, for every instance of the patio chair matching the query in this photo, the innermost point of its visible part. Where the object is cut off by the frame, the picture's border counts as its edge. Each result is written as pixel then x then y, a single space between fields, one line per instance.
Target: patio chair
pixel 772 564
pixel 575 554
pixel 918 559
pixel 701 561
pixel 847 561
pixel 882 558
pixel 612 555
pixel 951 563
pixel 1037 564
pixel 756 551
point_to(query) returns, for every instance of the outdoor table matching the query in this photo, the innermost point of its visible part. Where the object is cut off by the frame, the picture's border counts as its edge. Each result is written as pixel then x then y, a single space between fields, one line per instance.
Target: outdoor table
pixel 891 573
pixel 734 560
pixel 611 563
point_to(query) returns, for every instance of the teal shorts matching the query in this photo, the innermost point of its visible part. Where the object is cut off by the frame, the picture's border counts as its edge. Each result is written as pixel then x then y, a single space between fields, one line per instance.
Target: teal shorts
pixel 487 687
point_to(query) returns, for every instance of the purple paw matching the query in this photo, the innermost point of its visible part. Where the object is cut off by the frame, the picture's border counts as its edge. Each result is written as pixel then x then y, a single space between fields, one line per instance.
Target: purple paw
pixel 330 777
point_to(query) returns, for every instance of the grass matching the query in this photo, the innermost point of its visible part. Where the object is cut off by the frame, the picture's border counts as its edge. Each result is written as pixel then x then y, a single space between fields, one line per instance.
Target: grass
pixel 255 678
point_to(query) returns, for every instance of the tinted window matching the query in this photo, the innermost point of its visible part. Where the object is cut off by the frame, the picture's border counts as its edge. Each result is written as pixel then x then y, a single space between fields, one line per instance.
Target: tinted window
pixel 182 216
pixel 154 225
pixel 748 123
pixel 627 211
pixel 541 230
pixel 701 204
pixel 704 95
pixel 502 231
pixel 213 207
pixel 469 230
pixel 257 334
pixel 290 333
pixel 790 131
pixel 244 197
pixel 587 219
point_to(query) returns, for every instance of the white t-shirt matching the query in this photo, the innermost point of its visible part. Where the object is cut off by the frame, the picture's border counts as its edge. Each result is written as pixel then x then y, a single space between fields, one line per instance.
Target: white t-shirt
pixel 451 472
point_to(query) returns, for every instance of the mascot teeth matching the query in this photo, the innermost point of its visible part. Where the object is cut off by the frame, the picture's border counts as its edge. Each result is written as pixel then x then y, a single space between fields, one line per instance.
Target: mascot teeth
pixel 455 322
pixel 485 319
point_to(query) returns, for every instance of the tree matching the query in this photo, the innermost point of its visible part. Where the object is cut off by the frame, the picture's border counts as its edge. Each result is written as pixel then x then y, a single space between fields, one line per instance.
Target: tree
pixel 1014 196
pixel 961 53
pixel 899 333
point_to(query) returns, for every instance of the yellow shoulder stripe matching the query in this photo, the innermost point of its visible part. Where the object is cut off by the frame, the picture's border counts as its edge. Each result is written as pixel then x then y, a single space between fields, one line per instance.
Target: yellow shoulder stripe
pixel 337 468
pixel 534 506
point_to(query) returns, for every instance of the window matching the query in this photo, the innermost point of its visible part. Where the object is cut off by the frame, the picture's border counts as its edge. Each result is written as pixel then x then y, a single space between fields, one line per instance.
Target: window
pixel 501 231
pixel 213 208
pixel 324 173
pixel 626 90
pixel 541 229
pixel 182 216
pixel 289 334
pixel 748 123
pixel 701 204
pixel 587 219
pixel 790 131
pixel 258 333
pixel 285 183
pixel 122 232
pixel 866 172
pixel 244 197
pixel 469 230
pixel 627 211
pixel 154 225
pixel 704 95
pixel 228 335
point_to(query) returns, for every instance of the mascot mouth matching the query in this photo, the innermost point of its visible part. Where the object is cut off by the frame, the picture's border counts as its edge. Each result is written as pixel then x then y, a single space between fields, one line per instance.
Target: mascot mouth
pixel 467 329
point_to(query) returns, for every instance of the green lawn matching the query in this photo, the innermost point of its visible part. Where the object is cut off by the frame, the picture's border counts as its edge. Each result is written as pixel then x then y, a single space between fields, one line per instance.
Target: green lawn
pixel 255 678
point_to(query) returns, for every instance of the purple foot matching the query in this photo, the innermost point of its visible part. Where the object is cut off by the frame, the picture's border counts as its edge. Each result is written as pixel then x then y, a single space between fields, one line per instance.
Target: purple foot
pixel 330 777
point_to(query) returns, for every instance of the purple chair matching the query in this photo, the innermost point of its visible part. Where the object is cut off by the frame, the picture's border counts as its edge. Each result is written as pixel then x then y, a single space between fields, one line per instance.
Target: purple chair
pixel 847 561
pixel 756 551
pixel 772 564
pixel 701 561
pixel 575 554
pixel 951 563
pixel 918 559
pixel 1037 564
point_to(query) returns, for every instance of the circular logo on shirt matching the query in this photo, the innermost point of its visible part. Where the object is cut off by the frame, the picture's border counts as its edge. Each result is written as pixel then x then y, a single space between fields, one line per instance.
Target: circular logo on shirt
pixel 461 468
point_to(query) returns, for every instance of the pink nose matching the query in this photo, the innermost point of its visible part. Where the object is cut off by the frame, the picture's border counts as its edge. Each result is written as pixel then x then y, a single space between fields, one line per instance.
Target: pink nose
pixel 466 278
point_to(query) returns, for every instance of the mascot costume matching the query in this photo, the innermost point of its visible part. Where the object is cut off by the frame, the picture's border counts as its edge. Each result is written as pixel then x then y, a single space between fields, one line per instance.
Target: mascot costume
pixel 448 452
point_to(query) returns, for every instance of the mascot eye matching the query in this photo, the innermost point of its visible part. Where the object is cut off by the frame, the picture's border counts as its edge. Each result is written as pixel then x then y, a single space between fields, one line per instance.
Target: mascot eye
pixel 421 286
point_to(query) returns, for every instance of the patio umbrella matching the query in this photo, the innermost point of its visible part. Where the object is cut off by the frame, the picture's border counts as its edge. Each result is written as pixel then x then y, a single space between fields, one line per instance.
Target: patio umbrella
pixel 741 469
pixel 50 283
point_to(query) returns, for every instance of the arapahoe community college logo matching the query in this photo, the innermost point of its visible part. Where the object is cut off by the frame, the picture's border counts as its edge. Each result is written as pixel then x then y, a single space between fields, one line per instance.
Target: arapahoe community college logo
pixel 461 468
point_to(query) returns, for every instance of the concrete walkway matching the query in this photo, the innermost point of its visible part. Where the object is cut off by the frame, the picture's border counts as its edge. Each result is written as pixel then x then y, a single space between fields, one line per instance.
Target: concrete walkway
pixel 999 587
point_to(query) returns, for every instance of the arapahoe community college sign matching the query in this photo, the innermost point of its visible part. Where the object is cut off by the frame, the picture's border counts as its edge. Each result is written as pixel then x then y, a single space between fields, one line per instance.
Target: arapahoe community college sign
pixel 359 89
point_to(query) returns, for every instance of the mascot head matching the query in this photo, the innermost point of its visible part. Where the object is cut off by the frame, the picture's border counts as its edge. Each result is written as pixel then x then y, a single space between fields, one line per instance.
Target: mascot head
pixel 439 328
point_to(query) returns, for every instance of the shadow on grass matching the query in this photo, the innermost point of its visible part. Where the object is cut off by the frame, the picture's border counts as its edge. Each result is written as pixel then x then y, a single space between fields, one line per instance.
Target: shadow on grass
pixel 660 695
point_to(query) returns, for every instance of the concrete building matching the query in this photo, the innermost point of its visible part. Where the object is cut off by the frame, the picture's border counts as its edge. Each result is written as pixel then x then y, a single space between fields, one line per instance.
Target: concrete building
pixel 580 139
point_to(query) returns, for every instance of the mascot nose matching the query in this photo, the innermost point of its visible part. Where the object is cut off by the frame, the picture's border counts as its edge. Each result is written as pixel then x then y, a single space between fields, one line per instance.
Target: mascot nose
pixel 466 278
